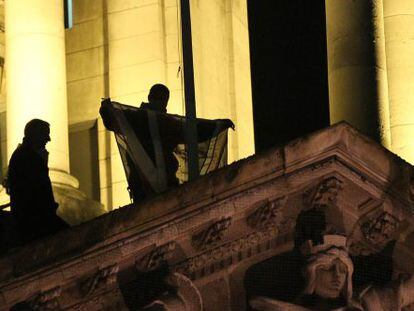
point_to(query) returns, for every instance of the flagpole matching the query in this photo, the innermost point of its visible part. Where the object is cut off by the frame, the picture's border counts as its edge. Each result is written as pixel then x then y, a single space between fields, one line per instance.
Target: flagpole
pixel 189 91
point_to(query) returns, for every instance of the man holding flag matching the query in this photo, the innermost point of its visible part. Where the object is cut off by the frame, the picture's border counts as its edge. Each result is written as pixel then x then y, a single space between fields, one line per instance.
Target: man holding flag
pixel 151 143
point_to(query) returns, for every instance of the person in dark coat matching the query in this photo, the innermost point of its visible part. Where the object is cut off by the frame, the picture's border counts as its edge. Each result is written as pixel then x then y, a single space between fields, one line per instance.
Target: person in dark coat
pixel 31 197
pixel 171 133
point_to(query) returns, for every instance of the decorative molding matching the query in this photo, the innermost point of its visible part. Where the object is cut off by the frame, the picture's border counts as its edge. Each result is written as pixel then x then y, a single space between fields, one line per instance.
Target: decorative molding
pixel 212 235
pixel 47 300
pixel 380 228
pixel 267 214
pixel 375 228
pixel 232 251
pixel 104 277
pixel 156 257
pixel 187 292
pixel 325 194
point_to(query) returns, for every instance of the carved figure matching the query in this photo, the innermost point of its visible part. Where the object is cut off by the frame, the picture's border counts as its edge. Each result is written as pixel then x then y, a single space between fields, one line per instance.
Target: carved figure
pixel 149 139
pixel 105 276
pixel 328 273
pixel 157 257
pixel 212 235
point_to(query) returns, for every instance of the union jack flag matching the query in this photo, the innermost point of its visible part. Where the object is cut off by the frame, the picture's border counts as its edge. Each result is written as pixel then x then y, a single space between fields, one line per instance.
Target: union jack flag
pixel 152 146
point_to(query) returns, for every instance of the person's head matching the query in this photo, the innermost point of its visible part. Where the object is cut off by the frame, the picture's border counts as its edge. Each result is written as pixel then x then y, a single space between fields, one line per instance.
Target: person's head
pixel 37 133
pixel 158 97
pixel 329 274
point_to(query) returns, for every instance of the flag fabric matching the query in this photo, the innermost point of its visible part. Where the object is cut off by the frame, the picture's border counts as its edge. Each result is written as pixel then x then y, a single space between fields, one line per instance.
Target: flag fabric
pixel 153 148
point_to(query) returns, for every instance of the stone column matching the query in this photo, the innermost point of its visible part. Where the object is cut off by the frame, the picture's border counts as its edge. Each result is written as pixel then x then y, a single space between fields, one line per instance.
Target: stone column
pixel 399 44
pixel 36 88
pixel 357 74
pixel 36 77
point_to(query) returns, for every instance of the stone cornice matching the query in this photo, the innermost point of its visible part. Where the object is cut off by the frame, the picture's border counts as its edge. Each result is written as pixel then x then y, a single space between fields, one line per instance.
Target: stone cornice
pixel 248 207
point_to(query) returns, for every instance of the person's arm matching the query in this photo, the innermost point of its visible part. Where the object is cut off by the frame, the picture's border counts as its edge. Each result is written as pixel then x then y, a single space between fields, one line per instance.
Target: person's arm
pixel 107 117
pixel 206 128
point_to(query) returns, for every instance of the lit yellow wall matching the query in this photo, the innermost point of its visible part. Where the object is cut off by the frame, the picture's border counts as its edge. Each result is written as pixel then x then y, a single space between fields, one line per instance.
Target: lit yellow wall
pixel 357 73
pixel 87 79
pixel 222 68
pixel 3 140
pixel 36 66
pixel 85 53
pixel 399 36
pixel 137 52
pixel 121 48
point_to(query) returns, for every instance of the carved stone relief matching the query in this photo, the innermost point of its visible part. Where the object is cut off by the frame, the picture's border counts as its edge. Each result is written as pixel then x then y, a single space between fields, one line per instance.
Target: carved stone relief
pixel 212 235
pixel 381 228
pixel 156 257
pixel 104 277
pixel 232 251
pixel 47 300
pixel 187 295
pixel 325 194
pixel 375 228
pixel 328 269
pixel 267 214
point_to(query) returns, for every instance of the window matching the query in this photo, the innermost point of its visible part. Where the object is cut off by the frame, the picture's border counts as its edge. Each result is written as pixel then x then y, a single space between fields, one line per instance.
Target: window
pixel 67 5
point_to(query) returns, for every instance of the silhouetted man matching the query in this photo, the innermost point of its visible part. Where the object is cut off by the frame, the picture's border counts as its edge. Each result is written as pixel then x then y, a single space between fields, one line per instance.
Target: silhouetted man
pixel 159 134
pixel 31 196
pixel 158 98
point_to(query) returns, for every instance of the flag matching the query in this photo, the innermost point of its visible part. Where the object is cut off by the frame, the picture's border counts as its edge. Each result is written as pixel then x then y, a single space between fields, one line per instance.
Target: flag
pixel 153 148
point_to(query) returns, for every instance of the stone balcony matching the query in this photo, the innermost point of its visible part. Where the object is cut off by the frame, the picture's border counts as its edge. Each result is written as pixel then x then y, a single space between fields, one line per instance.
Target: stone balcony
pixel 215 229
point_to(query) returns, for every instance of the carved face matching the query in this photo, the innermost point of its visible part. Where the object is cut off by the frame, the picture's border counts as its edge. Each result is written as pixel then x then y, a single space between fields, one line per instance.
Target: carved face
pixel 330 279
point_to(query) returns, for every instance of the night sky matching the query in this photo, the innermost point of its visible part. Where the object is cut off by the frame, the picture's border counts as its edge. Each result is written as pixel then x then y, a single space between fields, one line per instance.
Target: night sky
pixel 289 69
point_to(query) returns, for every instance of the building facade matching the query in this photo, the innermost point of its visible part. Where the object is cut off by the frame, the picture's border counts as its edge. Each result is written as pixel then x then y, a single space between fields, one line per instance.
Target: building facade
pixel 228 241
pixel 117 49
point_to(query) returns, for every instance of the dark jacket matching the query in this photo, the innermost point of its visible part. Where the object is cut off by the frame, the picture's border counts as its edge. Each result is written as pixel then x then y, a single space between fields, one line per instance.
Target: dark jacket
pixel 31 196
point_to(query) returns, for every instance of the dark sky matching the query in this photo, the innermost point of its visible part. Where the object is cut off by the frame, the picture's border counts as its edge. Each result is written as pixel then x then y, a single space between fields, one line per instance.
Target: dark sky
pixel 289 69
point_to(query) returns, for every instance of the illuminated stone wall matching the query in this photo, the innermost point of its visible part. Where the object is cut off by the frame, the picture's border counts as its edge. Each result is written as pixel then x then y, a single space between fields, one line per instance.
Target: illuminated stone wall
pixel 86 75
pixel 119 49
pixel 357 71
pixel 371 69
pixel 399 45
pixel 222 68
pixel 3 140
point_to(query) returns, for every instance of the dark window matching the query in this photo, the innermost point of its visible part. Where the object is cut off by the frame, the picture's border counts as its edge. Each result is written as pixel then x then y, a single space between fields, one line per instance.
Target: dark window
pixel 289 69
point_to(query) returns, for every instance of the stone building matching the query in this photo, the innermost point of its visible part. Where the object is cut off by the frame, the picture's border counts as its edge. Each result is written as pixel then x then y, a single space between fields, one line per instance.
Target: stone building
pixel 220 235
pixel 228 236
pixel 116 49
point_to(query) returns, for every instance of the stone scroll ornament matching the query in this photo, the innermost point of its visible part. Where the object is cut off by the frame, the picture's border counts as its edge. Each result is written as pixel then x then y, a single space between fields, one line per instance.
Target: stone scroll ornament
pixel 267 214
pixel 328 270
pixel 104 277
pixel 212 235
pixel 156 258
pixel 325 194
pixel 374 230
pixel 380 228
pixel 186 297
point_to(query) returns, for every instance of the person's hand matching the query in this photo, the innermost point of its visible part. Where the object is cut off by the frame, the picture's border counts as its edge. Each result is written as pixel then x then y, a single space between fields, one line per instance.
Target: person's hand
pixel 105 101
pixel 229 123
pixel 107 117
